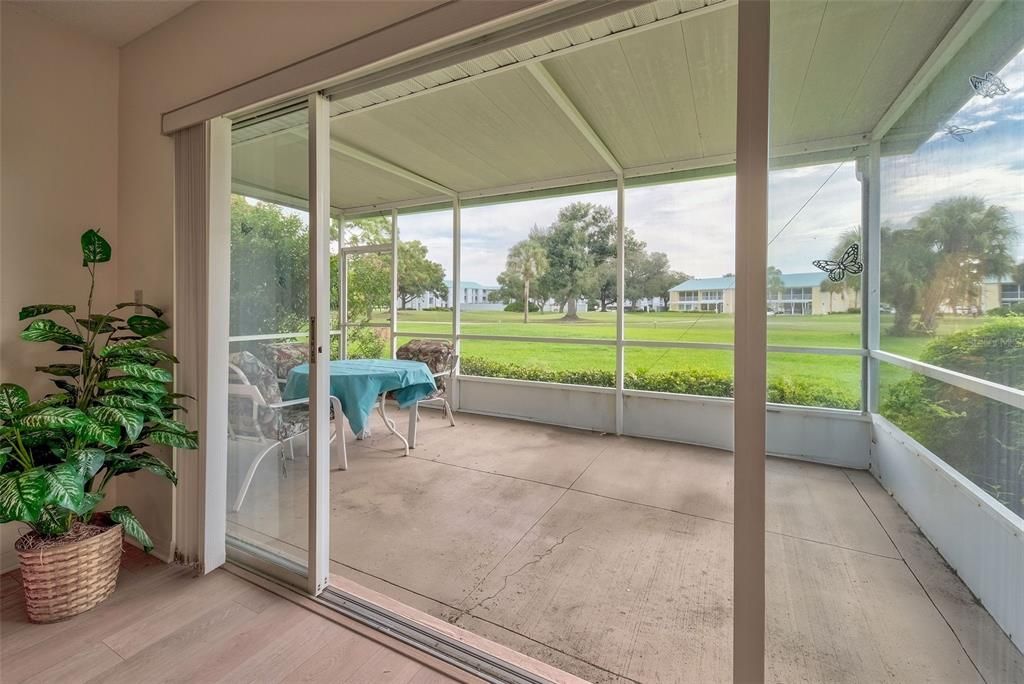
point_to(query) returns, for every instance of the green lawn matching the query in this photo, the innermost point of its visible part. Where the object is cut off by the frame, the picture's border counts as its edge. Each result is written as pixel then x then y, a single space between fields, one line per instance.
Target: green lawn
pixel 836 331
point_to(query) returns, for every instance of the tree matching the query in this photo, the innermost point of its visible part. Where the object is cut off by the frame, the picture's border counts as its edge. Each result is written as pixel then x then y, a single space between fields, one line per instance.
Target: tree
pixel 832 287
pixel 851 282
pixel 972 240
pixel 906 267
pixel 775 284
pixel 269 269
pixel 417 275
pixel 571 266
pixel 526 262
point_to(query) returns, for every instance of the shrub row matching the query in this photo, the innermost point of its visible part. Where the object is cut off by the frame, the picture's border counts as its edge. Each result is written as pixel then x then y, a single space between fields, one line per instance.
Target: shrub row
pixel 700 381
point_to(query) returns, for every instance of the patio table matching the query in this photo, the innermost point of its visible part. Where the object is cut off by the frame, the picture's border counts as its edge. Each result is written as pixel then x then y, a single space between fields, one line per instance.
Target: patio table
pixel 358 383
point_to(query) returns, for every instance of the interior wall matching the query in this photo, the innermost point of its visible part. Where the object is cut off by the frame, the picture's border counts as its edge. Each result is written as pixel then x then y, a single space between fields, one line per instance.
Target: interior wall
pixel 210 47
pixel 58 143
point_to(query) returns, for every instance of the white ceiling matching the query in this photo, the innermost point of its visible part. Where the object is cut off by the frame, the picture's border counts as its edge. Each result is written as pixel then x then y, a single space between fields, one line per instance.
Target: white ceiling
pixel 113 21
pixel 656 85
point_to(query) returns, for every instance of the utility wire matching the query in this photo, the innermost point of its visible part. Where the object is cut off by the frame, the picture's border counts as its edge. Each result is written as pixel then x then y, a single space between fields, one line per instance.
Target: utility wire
pixel 785 225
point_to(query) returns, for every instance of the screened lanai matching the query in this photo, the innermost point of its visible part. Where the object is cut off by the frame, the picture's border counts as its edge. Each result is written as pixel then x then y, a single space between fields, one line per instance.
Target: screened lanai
pixel 591 456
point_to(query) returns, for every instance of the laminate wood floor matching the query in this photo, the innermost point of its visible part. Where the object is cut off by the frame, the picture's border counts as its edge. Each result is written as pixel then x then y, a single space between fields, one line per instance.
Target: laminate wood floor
pixel 162 624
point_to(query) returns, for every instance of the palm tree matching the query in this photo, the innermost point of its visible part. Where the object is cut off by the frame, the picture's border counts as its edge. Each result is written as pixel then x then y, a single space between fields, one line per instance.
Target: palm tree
pixel 528 262
pixel 972 240
pixel 832 287
pixel 775 284
pixel 852 282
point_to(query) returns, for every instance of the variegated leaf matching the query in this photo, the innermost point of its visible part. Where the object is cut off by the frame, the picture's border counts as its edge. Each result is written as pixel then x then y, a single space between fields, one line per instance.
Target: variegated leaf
pixel 130 463
pixel 22 496
pixel 95 249
pixel 13 398
pixel 113 349
pixel 131 525
pixel 156 312
pixel 174 439
pixel 42 309
pixel 144 371
pixel 130 402
pixel 126 382
pixel 65 486
pixel 87 461
pixel 131 421
pixel 55 418
pixel 45 330
pixel 146 326
pixel 64 370
pixel 95 431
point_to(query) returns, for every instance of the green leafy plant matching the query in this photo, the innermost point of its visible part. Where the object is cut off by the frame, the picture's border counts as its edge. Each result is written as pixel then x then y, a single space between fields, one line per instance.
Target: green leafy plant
pixel 58 454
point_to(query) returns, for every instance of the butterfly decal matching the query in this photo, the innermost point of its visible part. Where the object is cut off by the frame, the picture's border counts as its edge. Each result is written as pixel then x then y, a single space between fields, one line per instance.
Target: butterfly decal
pixel 958 132
pixel 847 263
pixel 988 85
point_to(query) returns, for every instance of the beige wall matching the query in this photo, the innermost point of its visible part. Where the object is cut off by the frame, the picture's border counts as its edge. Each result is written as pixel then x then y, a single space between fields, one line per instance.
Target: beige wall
pixel 58 143
pixel 210 47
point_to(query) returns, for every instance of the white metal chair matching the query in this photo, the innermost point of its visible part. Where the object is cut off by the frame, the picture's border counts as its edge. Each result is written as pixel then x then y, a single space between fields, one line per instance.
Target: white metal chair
pixel 445 379
pixel 257 413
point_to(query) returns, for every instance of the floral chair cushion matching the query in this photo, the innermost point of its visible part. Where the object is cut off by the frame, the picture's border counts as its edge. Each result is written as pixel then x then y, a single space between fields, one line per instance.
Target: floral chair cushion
pixel 437 354
pixel 283 356
pixel 279 423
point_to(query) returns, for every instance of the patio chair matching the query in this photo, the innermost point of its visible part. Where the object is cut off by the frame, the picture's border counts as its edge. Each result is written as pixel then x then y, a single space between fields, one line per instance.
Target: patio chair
pixel 442 361
pixel 284 356
pixel 256 412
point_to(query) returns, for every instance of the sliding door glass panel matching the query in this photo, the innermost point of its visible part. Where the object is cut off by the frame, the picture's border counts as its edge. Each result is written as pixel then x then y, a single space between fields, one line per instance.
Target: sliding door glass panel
pixel 268 410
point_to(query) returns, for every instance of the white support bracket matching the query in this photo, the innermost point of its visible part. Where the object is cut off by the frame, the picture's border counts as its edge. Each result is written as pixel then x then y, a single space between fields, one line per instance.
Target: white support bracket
pixel 384 165
pixel 551 87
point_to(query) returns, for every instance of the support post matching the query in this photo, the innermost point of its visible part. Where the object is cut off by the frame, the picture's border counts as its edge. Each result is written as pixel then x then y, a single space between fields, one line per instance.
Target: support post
pixel 394 282
pixel 319 342
pixel 873 265
pixel 752 116
pixel 620 310
pixel 342 290
pixel 455 294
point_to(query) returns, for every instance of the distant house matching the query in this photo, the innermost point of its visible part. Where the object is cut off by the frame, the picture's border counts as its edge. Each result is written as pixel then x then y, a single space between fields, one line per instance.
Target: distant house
pixel 1000 292
pixel 801 294
pixel 471 295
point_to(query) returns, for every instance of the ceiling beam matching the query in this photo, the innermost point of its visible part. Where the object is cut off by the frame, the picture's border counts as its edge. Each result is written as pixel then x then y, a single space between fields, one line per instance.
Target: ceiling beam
pixel 384 165
pixel 369 159
pixel 547 81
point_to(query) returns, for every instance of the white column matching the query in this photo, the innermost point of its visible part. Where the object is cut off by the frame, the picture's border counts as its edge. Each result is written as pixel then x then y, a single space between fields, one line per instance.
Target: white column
pixel 394 281
pixel 871 286
pixel 456 292
pixel 620 310
pixel 319 342
pixel 752 109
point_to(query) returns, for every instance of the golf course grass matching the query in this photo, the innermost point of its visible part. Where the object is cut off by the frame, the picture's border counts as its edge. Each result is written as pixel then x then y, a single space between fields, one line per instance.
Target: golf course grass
pixel 832 331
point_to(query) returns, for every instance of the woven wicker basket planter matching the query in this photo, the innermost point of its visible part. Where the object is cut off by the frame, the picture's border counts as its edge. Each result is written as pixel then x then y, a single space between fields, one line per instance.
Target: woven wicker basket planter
pixel 63 580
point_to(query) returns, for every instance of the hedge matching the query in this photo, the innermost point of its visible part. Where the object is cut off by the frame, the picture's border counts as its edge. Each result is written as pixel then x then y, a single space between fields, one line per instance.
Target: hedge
pixel 700 381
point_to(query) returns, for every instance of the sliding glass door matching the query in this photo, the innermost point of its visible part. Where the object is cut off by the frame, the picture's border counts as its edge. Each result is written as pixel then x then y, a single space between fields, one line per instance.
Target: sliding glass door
pixel 272 371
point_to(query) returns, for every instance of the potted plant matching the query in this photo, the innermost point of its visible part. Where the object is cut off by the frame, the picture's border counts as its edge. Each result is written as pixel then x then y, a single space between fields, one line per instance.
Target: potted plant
pixel 58 454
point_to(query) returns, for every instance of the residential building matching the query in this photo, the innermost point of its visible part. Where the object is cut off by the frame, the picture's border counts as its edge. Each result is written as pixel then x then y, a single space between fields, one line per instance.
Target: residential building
pixel 802 294
pixel 471 295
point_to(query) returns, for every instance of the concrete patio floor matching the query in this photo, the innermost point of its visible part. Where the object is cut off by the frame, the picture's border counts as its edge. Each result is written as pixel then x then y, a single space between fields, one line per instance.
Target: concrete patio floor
pixel 611 557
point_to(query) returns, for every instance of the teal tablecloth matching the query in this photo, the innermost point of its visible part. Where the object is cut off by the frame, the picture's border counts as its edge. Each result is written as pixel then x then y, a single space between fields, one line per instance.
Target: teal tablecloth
pixel 357 383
